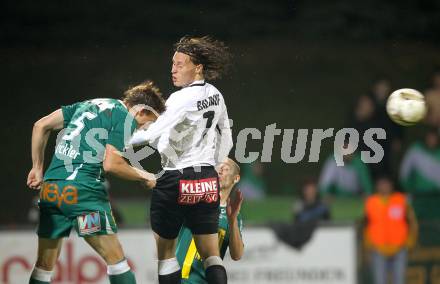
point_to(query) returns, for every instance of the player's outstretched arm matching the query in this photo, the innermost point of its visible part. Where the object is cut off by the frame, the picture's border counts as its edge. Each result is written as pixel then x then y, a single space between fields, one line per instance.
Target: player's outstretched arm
pixel 115 164
pixel 236 246
pixel 174 114
pixel 40 135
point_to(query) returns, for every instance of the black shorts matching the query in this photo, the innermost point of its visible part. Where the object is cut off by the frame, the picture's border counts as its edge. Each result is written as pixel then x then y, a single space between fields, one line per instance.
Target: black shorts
pixel 186 197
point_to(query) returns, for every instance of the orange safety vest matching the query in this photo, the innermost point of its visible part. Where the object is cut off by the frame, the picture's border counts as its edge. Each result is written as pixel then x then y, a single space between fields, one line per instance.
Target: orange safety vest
pixel 387 224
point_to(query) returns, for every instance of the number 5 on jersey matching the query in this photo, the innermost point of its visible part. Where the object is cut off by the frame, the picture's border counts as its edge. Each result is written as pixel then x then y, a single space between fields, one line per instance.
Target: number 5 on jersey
pixel 79 123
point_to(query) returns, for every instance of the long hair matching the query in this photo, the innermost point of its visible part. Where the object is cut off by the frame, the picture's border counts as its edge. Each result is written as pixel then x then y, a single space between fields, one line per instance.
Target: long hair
pixel 212 54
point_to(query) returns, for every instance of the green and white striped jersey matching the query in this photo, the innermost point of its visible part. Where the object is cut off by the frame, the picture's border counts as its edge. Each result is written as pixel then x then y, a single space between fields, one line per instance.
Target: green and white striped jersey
pixel 80 146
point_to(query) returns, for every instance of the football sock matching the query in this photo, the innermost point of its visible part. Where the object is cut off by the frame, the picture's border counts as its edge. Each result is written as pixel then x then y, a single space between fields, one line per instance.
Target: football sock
pixel 169 271
pixel 215 271
pixel 40 276
pixel 120 273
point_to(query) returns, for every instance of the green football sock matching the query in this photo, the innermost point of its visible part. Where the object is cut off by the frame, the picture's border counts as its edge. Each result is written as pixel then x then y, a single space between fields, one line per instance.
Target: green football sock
pixel 124 278
pixel 33 281
pixel 43 275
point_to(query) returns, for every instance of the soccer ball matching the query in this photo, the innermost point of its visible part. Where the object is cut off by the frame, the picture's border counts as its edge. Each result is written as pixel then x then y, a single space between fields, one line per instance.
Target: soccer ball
pixel 406 107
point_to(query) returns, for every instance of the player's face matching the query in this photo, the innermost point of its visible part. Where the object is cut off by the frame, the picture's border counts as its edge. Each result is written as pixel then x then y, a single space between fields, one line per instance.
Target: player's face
pixel 226 175
pixel 431 140
pixel 384 186
pixel 183 70
pixel 310 192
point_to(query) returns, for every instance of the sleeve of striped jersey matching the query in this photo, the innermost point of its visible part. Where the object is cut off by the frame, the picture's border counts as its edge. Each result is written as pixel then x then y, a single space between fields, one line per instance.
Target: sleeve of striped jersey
pixel 224 141
pixel 116 136
pixel 68 112
pixel 174 113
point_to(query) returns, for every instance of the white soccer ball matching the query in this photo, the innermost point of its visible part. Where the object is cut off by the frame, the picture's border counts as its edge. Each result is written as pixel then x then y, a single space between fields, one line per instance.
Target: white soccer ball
pixel 406 107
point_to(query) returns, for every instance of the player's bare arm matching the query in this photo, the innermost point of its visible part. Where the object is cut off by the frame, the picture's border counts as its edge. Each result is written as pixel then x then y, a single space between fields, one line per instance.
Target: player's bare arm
pixel 115 164
pixel 167 120
pixel 236 246
pixel 40 135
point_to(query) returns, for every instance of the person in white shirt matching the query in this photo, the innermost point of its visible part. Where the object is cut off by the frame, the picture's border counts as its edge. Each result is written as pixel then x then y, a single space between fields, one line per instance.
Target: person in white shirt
pixel 192 136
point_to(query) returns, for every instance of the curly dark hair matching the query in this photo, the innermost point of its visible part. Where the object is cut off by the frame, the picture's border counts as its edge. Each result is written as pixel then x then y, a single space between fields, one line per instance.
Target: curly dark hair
pixel 146 93
pixel 212 54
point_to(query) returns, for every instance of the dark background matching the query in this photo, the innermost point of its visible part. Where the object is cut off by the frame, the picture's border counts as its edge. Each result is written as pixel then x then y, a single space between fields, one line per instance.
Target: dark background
pixel 297 63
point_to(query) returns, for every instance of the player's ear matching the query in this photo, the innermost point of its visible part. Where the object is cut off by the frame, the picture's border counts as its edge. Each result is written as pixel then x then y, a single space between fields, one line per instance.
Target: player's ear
pixel 199 69
pixel 236 179
pixel 152 116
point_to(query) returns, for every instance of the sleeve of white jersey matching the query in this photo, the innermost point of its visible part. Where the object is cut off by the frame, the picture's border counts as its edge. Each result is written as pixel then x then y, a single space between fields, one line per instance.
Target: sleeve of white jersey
pixel 174 113
pixel 224 137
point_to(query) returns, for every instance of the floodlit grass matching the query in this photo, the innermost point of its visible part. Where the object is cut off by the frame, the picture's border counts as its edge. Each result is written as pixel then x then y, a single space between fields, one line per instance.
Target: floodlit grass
pixel 254 212
pixel 135 212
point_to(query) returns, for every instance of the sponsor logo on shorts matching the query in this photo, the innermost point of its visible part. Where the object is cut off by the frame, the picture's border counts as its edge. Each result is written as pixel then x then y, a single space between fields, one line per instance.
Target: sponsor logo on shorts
pixel 89 223
pixel 195 191
pixel 50 193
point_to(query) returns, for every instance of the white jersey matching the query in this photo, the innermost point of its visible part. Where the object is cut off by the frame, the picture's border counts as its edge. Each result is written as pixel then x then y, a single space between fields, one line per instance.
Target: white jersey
pixel 194 130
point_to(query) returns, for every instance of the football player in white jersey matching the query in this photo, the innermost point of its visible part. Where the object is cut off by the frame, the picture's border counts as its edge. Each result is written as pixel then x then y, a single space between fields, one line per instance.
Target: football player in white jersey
pixel 192 136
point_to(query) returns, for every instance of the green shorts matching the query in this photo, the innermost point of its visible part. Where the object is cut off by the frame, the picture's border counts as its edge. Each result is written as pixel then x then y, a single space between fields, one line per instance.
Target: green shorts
pixel 67 204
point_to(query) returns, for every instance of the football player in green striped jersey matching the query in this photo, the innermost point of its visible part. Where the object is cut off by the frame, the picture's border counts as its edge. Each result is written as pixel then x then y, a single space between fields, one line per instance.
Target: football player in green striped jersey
pixel 72 191
pixel 229 230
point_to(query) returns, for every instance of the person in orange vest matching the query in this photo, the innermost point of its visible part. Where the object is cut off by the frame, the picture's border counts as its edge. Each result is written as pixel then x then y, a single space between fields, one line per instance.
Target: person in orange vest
pixel 390 230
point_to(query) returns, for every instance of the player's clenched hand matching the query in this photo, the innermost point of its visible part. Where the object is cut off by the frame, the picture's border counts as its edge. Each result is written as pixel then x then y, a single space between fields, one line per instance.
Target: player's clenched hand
pixel 35 178
pixel 233 206
pixel 150 184
pixel 150 180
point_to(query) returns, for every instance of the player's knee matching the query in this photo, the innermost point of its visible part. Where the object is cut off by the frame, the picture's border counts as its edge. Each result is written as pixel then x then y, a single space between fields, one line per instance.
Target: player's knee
pixel 206 252
pixel 112 255
pixel 215 271
pixel 165 248
pixel 111 252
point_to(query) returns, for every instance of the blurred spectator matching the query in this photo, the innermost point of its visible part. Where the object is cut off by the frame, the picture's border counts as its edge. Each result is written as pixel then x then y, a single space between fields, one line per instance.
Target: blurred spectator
pixel 252 183
pixel 380 91
pixel 370 112
pixel 310 207
pixel 352 179
pixel 363 117
pixel 432 96
pixel 420 168
pixel 308 212
pixel 390 229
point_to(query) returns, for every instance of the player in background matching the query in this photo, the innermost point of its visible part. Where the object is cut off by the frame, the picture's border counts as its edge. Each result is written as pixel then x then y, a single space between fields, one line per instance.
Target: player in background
pixel 192 136
pixel 229 229
pixel 72 191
